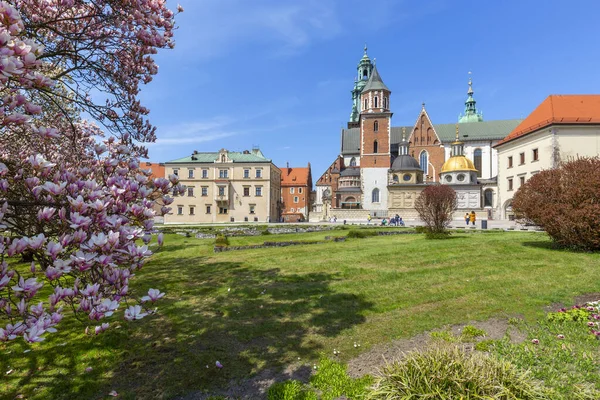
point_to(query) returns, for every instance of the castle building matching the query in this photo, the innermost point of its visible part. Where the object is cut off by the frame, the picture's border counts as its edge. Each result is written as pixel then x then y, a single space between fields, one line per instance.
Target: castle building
pixel 358 182
pixel 561 128
pixel 225 186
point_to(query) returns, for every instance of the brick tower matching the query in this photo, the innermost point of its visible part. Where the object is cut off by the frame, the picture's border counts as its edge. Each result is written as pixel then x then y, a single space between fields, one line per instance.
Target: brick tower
pixel 375 129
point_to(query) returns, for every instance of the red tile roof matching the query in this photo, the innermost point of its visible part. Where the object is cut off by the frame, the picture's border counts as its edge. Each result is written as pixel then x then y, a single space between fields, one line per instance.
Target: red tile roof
pixel 295 176
pixel 158 170
pixel 559 109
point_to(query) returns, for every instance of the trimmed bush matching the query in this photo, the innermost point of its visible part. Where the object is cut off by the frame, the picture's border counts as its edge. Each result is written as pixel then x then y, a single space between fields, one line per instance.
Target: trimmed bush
pixel 361 233
pixel 221 241
pixel 448 372
pixel 565 202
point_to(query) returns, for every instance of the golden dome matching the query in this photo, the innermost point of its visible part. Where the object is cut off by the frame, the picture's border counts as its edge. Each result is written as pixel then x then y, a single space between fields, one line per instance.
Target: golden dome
pixel 458 163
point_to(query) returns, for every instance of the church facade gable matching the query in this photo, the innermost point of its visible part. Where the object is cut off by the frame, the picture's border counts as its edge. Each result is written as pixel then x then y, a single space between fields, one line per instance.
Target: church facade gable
pixel 426 147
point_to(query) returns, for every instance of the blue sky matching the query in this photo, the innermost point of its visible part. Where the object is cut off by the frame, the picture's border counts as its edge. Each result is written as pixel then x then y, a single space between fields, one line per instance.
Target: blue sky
pixel 278 73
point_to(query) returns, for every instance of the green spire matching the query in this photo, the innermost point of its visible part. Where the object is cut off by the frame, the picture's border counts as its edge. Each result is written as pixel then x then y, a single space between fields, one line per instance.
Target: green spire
pixel 471 114
pixel 364 68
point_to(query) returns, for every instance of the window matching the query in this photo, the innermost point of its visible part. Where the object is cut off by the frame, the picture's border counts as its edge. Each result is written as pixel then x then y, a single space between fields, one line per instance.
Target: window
pixel 385 105
pixel 296 199
pixel 521 180
pixel 292 209
pixel 375 196
pixel 246 173
pixel 300 190
pixel 252 208
pixel 510 162
pixel 424 162
pixel 521 158
pixel 246 191
pixel 208 208
pixel 204 173
pixel 190 173
pixel 176 172
pixel 190 192
pixel 376 101
pixel 291 190
pixel 407 177
pixel 259 190
pixel 353 162
pixel 221 190
pixel 375 146
pixel 448 178
pixel 376 125
pixel 535 155
pixel 510 184
pixel 179 210
pixel 223 173
pixel 477 161
pixel 222 210
pixel 488 198
pixel 395 178
pixel 204 190
pixel 460 177
pixel 259 173
pixel 366 104
pixel 192 210
pixel 223 158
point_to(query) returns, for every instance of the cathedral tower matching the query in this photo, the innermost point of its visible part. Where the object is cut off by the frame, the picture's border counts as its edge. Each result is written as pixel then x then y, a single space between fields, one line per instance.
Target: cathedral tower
pixel 375 130
pixel 364 69
pixel 471 114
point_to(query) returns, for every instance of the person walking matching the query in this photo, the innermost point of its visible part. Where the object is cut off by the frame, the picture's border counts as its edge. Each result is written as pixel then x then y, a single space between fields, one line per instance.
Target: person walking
pixel 369 219
pixel 472 218
pixel 467 218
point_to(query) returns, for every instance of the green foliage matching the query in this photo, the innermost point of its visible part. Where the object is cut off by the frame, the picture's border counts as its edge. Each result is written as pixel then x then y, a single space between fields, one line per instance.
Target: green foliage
pixel 329 382
pixel 436 235
pixel 421 229
pixel 485 345
pixel 472 332
pixel 448 372
pixel 444 335
pixel 265 232
pixel 564 201
pixel 361 233
pixel 568 364
pixel 573 314
pixel 290 390
pixel 221 241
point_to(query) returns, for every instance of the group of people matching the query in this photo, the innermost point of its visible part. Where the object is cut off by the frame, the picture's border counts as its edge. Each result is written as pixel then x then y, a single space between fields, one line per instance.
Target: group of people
pixel 393 221
pixel 470 217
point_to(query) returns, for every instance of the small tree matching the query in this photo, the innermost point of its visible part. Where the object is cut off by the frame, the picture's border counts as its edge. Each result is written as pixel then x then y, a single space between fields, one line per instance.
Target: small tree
pixel 435 206
pixel 565 202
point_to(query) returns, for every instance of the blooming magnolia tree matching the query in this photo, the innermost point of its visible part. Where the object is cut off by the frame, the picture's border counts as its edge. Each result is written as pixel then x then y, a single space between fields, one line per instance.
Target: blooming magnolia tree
pixel 75 205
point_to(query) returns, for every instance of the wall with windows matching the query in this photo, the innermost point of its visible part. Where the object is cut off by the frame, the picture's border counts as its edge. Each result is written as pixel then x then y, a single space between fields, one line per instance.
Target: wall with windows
pixel 482 152
pixel 374 178
pixel 222 191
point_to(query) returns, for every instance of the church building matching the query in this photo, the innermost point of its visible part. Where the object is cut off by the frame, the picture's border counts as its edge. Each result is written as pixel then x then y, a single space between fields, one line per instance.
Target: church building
pixel 365 178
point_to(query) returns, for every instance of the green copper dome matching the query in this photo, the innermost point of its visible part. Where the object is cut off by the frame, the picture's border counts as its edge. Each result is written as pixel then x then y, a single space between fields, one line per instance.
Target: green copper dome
pixel 471 114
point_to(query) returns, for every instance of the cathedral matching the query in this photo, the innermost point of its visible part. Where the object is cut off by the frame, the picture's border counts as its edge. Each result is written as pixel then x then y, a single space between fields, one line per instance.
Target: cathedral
pixel 382 168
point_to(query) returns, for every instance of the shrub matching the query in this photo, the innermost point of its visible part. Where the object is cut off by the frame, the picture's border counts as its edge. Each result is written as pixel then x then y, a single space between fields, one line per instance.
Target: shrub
pixel 420 229
pixel 290 390
pixel 470 331
pixel 265 232
pixel 361 233
pixel 221 241
pixel 435 206
pixel 448 372
pixel 565 202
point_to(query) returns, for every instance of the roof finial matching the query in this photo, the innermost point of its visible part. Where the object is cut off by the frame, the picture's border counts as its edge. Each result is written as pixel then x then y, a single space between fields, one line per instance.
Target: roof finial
pixel 423 105
pixel 404 134
pixel 365 49
pixel 457 132
pixel 470 91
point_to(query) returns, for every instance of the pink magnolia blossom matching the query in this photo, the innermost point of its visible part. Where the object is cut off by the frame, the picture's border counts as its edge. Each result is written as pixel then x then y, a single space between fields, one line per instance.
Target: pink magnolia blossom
pixel 134 312
pixel 153 295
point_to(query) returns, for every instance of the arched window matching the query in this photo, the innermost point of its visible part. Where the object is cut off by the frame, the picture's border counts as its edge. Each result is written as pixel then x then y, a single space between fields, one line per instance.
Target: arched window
pixel 385 104
pixel 375 196
pixel 488 198
pixel 375 146
pixel 424 161
pixel 376 101
pixel 366 104
pixel 477 161
pixel 376 124
pixel 353 162
pixel 395 178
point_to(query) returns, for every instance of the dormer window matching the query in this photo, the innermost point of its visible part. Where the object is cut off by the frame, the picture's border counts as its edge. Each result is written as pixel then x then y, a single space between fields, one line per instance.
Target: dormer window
pixel 223 158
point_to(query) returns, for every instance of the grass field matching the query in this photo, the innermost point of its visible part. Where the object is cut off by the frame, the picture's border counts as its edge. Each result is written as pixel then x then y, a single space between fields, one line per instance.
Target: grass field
pixel 265 308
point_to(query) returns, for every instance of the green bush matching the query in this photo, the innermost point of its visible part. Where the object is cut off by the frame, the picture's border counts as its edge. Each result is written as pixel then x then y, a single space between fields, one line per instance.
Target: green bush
pixel 290 390
pixel 448 372
pixel 421 229
pixel 221 241
pixel 265 232
pixel 361 233
pixel 437 235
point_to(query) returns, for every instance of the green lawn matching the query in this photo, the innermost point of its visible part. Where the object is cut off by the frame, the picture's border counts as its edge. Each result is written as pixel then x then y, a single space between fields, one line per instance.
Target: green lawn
pixel 264 308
